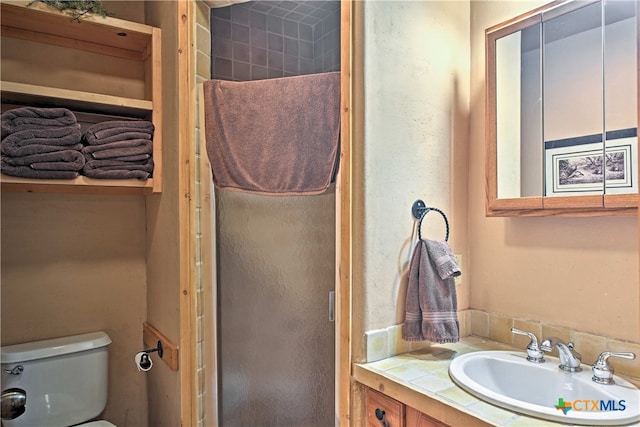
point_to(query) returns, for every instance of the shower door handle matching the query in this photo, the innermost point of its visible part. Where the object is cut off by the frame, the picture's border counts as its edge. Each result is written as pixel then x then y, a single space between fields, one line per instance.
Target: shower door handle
pixel 332 305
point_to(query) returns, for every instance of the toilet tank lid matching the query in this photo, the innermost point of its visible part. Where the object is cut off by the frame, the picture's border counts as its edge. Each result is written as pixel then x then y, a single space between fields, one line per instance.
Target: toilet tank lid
pixel 53 347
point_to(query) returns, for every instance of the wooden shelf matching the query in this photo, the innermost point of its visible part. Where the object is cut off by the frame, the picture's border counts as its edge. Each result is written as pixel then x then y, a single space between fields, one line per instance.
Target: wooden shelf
pixel 81 184
pixel 106 36
pixel 28 94
pixel 109 37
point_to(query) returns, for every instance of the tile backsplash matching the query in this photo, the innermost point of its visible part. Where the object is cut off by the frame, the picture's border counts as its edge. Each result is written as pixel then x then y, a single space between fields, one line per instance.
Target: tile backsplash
pixel 382 343
pixel 386 342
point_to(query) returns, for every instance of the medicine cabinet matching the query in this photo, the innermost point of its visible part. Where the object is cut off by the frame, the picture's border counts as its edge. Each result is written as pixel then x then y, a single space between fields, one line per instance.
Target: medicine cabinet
pixel 562 111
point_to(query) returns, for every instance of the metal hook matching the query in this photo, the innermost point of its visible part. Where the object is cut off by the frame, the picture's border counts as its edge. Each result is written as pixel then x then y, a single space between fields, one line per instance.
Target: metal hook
pixel 157 349
pixel 420 210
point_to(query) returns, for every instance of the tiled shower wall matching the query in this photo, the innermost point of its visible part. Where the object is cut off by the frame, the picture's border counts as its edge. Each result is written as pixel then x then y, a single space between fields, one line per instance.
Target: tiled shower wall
pixel 268 39
pixel 202 38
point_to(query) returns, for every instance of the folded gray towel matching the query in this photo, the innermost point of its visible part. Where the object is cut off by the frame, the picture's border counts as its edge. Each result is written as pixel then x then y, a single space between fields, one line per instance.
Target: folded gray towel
pixel 109 169
pixel 146 165
pixel 67 160
pixel 431 304
pixel 30 141
pixel 25 118
pixel 28 150
pixel 116 174
pixel 118 135
pixel 29 172
pixel 132 147
pixel 128 159
pixel 97 133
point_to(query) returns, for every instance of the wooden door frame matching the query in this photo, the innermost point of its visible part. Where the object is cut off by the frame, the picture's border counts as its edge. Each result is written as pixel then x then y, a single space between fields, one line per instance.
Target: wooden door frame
pixel 344 228
pixel 188 364
pixel 343 238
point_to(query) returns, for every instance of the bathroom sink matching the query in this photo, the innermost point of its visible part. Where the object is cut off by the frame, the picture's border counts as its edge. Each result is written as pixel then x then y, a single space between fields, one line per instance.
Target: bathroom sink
pixel 542 390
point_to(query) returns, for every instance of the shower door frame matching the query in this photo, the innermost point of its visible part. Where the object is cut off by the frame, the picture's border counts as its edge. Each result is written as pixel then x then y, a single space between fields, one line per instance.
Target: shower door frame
pixel 343 238
pixel 344 219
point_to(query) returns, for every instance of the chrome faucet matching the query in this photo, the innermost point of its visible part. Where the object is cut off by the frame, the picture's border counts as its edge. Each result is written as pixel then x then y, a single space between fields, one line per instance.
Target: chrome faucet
pixel 534 352
pixel 569 358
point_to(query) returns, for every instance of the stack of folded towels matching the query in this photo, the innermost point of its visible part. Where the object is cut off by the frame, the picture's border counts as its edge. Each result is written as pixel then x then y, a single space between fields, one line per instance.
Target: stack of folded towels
pixel 40 143
pixel 119 149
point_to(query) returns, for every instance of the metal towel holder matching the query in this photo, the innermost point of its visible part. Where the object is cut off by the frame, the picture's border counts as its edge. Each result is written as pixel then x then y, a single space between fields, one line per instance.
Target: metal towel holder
pixel 420 210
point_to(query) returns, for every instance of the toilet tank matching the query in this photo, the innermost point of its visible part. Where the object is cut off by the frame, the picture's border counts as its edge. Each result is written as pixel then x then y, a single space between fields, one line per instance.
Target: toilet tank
pixel 65 379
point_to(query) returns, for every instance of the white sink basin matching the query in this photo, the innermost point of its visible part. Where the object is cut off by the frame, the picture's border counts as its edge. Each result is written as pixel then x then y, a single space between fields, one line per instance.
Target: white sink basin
pixel 508 380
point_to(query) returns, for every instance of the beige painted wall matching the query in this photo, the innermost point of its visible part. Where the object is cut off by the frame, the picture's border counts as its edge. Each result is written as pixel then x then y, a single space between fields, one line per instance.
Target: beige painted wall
pixel 416 68
pixel 581 273
pixel 73 264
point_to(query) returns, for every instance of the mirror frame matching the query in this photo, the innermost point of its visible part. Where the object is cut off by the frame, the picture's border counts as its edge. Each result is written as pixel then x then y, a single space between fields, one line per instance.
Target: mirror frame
pixel 590 205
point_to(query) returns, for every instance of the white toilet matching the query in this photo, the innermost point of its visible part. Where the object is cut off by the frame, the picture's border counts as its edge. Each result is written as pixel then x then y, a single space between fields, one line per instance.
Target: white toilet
pixel 56 382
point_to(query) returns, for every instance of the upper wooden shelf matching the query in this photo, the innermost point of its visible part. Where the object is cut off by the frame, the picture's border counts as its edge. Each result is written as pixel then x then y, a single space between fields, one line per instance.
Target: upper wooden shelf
pixel 106 36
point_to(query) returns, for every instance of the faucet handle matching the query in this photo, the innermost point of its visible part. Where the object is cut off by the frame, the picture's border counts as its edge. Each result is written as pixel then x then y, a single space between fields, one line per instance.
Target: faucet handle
pixel 534 353
pixel 602 369
pixel 572 346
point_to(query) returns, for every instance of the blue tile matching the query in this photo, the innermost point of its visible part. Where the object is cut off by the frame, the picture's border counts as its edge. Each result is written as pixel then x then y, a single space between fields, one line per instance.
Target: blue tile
pixel 221 29
pixel 259 73
pixel 258 38
pixel 305 50
pixel 275 42
pixel 290 28
pixel 241 52
pixel 291 64
pixel 258 20
pixel 240 33
pixel 306 32
pixel 274 24
pixel 222 68
pixel 240 15
pixel 275 60
pixel 258 56
pixel 290 46
pixel 221 13
pixel 241 71
pixel 222 48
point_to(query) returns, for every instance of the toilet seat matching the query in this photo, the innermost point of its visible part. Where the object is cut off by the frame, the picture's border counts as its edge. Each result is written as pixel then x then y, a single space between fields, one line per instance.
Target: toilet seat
pixel 99 423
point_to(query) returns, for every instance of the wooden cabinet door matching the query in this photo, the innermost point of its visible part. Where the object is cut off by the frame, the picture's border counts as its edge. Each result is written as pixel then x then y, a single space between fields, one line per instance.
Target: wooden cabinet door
pixel 383 411
pixel 415 418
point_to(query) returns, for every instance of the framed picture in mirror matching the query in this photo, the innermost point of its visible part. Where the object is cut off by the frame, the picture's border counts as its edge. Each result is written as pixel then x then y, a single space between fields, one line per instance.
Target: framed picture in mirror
pixel 576 166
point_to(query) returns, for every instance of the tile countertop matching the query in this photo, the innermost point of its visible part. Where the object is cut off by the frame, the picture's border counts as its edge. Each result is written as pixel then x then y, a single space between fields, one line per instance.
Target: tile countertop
pixel 420 379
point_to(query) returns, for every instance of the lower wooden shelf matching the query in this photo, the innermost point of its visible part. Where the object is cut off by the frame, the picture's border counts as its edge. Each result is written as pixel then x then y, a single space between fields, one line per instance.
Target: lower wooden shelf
pixel 81 184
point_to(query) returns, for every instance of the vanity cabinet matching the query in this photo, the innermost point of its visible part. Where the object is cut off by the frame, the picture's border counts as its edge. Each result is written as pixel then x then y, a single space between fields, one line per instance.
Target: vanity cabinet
pixel 562 111
pixel 415 418
pixel 383 411
pixel 99 68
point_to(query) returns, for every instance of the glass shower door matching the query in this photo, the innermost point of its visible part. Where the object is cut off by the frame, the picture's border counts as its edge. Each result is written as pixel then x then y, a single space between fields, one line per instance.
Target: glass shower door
pixel 276 267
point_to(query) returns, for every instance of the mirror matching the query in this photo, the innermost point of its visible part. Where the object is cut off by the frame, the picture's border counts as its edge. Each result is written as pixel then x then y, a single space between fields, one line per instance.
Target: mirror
pixel 620 108
pixel 562 111
pixel 519 113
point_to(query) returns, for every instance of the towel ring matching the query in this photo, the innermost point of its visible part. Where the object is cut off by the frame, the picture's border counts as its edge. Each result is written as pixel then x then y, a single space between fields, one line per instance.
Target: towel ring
pixel 420 210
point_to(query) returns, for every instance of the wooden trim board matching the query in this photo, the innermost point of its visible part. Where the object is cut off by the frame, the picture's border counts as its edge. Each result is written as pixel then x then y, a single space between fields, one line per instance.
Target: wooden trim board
pixel 150 338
